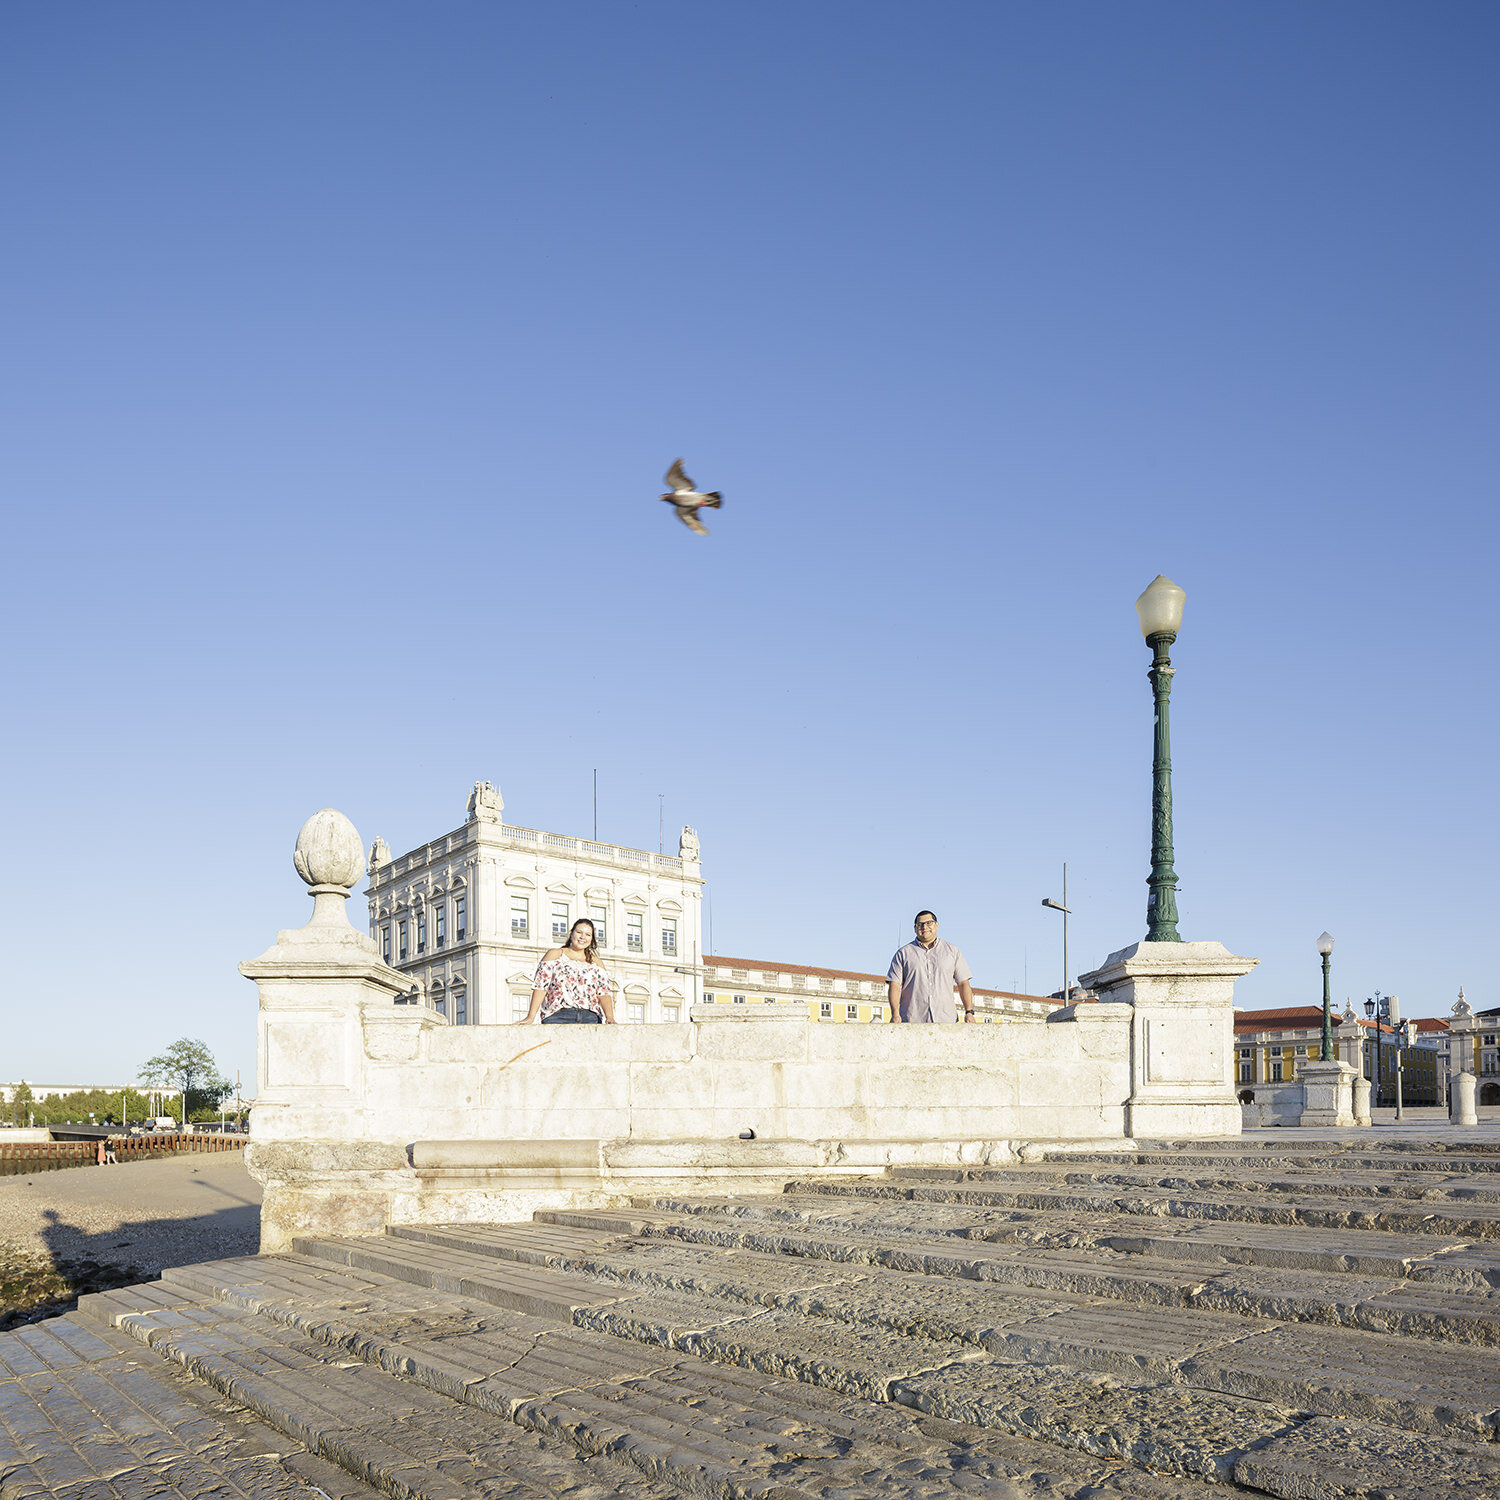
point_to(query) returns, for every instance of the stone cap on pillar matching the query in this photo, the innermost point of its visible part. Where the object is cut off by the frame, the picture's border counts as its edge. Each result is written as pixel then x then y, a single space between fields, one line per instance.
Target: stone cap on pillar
pixel 1167 961
pixel 330 857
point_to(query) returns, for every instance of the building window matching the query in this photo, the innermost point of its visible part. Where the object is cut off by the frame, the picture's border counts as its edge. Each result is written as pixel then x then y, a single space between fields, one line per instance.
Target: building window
pixel 460 918
pixel 440 925
pixel 422 930
pixel 769 1000
pixel 635 1013
pixel 670 1014
pixel 669 936
pixel 825 1010
pixel 634 940
pixel 1301 1051
pixel 401 947
pixel 460 1007
pixel 1244 1052
pixel 385 942
pixel 876 1014
pixel 852 1012
pixel 599 916
pixel 559 921
pixel 1490 1065
pixel 739 999
pixel 440 1005
pixel 710 999
pixel 520 1003
pixel 1246 1072
pixel 1275 1072
pixel 520 917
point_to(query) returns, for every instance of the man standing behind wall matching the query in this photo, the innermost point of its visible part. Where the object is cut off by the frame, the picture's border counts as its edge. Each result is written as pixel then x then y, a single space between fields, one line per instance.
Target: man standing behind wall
pixel 920 982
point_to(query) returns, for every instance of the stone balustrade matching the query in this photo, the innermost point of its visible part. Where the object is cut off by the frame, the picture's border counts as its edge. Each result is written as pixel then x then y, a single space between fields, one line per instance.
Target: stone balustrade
pixel 371 1111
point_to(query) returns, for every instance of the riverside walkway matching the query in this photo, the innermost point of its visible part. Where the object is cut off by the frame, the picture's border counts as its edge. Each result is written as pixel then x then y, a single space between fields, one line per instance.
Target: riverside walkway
pixel 1294 1315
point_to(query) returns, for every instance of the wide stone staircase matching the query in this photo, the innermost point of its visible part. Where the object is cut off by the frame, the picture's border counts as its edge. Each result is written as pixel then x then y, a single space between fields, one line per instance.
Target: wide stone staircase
pixel 1285 1317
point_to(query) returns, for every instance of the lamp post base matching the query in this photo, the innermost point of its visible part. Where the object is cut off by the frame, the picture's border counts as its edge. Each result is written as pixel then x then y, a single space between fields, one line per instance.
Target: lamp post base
pixel 1327 1094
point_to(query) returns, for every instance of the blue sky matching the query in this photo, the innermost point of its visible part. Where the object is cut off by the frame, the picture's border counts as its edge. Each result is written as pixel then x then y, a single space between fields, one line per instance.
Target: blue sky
pixel 345 346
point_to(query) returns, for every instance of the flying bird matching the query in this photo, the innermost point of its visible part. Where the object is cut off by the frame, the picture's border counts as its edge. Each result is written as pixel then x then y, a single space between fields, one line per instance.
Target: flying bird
pixel 689 501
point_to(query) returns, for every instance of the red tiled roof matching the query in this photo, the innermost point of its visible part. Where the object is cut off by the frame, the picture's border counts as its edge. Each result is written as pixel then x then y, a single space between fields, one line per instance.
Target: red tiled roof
pixel 1288 1018
pixel 1297 1017
pixel 766 965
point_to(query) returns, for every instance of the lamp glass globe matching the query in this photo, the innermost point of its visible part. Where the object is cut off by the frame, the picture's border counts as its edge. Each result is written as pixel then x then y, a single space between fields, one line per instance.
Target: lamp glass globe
pixel 1325 944
pixel 1160 607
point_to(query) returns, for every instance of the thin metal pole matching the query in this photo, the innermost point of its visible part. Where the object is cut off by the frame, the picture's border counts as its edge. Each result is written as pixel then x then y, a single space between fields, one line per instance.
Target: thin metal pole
pixel 596 804
pixel 1066 997
pixel 661 811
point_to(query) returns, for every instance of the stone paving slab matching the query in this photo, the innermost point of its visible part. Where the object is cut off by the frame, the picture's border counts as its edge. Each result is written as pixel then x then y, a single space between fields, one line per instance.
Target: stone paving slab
pixel 506 1284
pixel 1162 1427
pixel 1339 1460
pixel 1370 1376
pixel 1113 1337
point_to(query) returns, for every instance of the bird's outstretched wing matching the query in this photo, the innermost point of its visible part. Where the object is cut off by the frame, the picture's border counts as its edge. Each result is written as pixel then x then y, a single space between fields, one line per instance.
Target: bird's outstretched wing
pixel 688 519
pixel 676 479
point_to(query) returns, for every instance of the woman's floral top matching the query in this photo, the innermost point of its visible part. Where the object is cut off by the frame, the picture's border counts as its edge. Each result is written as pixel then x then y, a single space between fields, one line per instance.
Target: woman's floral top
pixel 565 983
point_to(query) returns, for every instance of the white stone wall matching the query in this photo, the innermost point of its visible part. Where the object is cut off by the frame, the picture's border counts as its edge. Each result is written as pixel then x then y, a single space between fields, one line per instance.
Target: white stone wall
pixel 490 864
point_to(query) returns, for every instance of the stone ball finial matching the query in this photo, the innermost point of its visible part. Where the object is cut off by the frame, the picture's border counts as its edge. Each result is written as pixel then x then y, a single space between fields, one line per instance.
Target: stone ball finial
pixel 329 853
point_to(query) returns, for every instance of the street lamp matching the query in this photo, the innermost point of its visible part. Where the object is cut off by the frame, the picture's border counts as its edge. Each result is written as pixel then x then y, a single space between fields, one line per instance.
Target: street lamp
pixel 1062 906
pixel 1160 612
pixel 1402 1034
pixel 1325 947
pixel 1382 1009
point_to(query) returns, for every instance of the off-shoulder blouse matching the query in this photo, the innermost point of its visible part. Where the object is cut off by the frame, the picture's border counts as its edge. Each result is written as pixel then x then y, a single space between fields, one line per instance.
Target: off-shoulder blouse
pixel 566 984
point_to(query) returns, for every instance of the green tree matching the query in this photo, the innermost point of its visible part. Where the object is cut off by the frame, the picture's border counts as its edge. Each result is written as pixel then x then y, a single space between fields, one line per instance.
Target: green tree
pixel 21 1103
pixel 189 1067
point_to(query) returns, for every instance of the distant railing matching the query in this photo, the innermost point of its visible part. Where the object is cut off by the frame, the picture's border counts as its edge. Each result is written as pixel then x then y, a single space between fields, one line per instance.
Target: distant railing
pixel 24 1157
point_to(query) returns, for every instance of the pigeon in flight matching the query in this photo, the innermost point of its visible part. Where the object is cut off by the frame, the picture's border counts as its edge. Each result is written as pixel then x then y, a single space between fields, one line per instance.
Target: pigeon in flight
pixel 688 500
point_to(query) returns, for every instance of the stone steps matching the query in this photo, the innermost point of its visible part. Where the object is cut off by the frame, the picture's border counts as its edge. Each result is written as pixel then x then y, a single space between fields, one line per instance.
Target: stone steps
pixel 439 1388
pixel 864 1342
pixel 1468 1220
pixel 1395 1162
pixel 1357 1183
pixel 910 1235
pixel 1381 1305
pixel 1474 1143
pixel 870 1337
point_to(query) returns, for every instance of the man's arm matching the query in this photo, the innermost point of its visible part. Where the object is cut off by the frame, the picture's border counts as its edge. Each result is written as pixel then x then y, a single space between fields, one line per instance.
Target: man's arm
pixel 893 995
pixel 966 994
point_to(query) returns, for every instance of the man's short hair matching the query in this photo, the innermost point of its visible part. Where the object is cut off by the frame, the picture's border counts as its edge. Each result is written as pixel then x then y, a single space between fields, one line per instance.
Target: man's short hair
pixel 923 913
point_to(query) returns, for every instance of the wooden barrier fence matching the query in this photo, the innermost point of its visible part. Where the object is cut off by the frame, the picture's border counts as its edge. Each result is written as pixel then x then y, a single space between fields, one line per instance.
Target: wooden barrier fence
pixel 25 1157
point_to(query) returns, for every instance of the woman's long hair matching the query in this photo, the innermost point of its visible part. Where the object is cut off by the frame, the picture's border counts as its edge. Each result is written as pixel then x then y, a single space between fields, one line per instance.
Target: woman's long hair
pixel 593 947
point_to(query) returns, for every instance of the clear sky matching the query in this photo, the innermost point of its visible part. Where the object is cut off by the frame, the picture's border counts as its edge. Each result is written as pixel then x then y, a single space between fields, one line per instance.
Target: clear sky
pixel 344 347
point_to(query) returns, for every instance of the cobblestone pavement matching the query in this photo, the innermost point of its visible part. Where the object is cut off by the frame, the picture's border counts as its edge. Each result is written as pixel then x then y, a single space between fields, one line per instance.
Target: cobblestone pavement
pixel 1291 1316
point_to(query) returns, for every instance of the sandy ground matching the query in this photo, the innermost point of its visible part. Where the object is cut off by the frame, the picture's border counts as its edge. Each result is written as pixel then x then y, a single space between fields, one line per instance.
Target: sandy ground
pixel 147 1215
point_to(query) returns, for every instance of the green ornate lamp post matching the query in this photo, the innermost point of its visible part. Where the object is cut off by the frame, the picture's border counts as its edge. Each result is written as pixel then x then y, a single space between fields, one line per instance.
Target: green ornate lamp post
pixel 1160 612
pixel 1325 947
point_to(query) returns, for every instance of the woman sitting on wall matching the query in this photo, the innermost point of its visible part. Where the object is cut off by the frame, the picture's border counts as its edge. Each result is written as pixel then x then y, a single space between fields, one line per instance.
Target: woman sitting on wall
pixel 570 983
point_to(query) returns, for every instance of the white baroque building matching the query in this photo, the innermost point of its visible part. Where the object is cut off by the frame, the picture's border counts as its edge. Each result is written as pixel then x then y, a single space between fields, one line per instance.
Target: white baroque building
pixel 469 914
